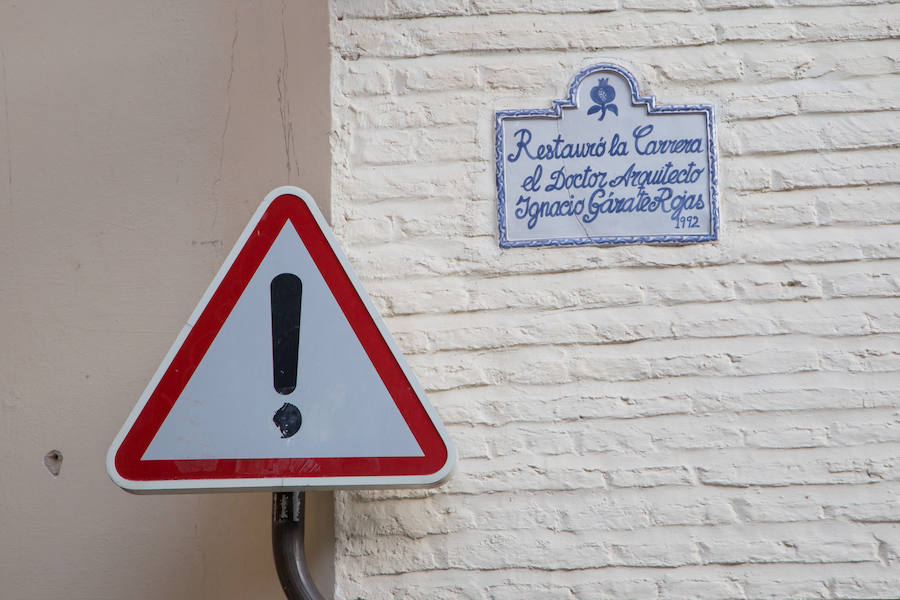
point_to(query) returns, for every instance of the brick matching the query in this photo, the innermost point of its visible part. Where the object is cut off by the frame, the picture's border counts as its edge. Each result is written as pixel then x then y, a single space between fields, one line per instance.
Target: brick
pixel 756 107
pixel 671 554
pixel 495 475
pixel 786 474
pixel 407 39
pixel 395 8
pixel 542 6
pixel 813 133
pixel 853 59
pixel 541 440
pixel 765 589
pixel 863 23
pixel 867 360
pixel 798 398
pixel 496 329
pixel 442 145
pixel 709 436
pixel 652 5
pixel 793 437
pixel 751 283
pixel 690 589
pixel 367 78
pixel 883 281
pixel 868 433
pixel 534 77
pixel 768 28
pixel 834 2
pixel 788 63
pixel 758 510
pixel 517 365
pixel 400 113
pixel 866 512
pixel 399 181
pixel 604 514
pixel 439 77
pixel 801 170
pixel 399 591
pixel 754 209
pixel 651 477
pixel 854 96
pixel 616 590
pixel 868 205
pixel 724 67
pixel 713 512
pixel 529 592
pixel 872 587
pixel 731 4
pixel 788 550
pixel 870 469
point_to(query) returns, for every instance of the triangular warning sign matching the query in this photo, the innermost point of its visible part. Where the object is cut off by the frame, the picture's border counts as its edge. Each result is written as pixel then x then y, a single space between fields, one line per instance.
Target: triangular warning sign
pixel 284 377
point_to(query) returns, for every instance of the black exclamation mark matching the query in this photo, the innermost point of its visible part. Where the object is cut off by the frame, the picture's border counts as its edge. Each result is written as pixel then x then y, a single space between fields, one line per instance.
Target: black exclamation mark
pixel 286 290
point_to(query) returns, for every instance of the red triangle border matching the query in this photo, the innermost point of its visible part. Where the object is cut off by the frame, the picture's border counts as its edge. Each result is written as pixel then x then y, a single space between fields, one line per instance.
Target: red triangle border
pixel 284 208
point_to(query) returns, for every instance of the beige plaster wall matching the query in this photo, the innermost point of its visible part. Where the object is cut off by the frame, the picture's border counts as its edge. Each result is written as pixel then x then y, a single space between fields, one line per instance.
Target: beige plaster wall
pixel 136 139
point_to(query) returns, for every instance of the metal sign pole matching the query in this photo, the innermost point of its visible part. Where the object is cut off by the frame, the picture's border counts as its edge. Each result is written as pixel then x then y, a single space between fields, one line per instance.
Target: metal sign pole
pixel 288 528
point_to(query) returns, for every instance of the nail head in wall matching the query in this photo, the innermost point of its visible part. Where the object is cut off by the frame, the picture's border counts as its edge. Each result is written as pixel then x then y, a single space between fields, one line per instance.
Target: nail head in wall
pixel 53 462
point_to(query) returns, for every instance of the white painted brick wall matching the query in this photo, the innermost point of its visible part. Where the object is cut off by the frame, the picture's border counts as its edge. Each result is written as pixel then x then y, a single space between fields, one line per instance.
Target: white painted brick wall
pixel 713 421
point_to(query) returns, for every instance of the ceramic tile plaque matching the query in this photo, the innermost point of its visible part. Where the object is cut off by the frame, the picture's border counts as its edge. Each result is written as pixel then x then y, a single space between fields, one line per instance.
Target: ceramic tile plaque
pixel 606 166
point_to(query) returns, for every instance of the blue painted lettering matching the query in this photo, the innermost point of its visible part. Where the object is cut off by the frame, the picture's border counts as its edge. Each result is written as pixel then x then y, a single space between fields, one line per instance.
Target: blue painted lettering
pixel 587 179
pixel 663 146
pixel 534 210
pixel 557 149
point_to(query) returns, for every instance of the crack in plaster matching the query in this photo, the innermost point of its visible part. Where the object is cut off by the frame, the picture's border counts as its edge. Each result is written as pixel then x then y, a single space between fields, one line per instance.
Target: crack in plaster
pixel 284 104
pixel 218 178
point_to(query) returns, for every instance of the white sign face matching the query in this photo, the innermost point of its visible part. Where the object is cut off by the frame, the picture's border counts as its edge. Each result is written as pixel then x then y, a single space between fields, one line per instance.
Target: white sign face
pixel 606 166
pixel 284 377
pixel 226 408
